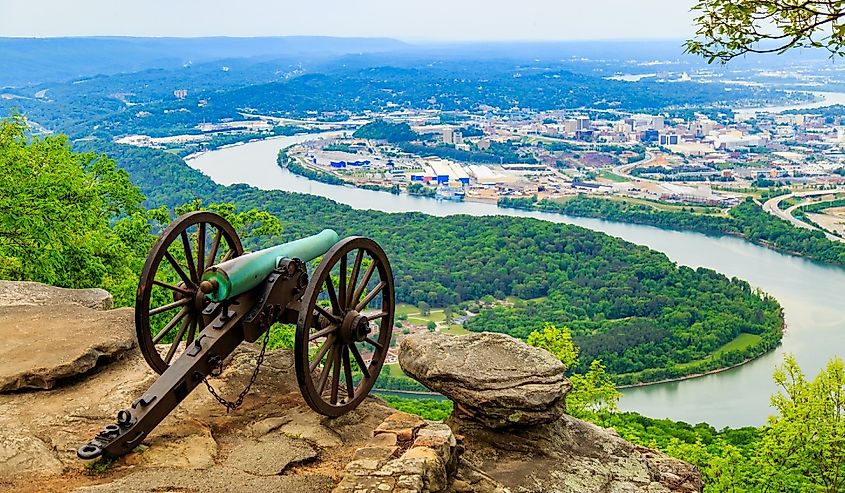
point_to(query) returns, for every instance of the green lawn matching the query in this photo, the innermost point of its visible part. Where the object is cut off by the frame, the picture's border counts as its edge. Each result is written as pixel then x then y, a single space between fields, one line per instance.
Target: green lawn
pixel 607 175
pixel 393 369
pixel 455 330
pixel 414 315
pixel 740 342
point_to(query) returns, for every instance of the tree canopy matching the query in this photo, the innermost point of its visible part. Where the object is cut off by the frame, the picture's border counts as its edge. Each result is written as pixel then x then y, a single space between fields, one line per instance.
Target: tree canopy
pixel 727 29
pixel 68 219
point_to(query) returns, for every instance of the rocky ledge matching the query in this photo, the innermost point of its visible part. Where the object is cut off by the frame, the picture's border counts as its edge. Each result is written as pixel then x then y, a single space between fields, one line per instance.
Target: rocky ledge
pixel 16 293
pixel 509 401
pixel 508 433
pixel 51 334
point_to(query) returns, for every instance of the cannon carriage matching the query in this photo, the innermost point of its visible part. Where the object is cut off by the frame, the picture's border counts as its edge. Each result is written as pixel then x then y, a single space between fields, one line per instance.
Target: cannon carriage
pixel 200 296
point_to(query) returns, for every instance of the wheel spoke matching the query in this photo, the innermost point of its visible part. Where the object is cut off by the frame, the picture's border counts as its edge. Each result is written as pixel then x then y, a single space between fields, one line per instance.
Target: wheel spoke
pixel 341 288
pixel 375 316
pixel 324 376
pixel 170 306
pixel 347 369
pixel 192 332
pixel 200 248
pixel 353 279
pixel 173 288
pixel 187 280
pixel 215 244
pixel 374 343
pixel 360 289
pixel 332 294
pixel 172 323
pixel 372 294
pixel 360 361
pixel 322 333
pixel 336 375
pixel 332 317
pixel 189 257
pixel 327 344
pixel 177 339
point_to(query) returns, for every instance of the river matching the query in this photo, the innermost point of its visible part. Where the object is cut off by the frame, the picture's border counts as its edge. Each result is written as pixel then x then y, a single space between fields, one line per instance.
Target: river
pixel 822 99
pixel 809 292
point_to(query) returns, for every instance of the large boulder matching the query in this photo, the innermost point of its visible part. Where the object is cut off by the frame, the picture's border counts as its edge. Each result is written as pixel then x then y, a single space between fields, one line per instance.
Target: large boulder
pixel 45 344
pixel 509 410
pixel 493 378
pixel 13 293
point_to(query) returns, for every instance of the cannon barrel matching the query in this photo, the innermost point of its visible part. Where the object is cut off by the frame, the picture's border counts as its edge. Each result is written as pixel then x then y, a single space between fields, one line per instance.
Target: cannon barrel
pixel 240 274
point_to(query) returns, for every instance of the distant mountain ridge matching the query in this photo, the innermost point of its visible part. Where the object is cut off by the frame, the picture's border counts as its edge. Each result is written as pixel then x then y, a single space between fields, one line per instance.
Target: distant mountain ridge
pixel 25 61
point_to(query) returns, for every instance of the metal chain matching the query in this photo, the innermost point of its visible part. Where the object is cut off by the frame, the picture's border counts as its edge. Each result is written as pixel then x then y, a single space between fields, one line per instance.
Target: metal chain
pixel 229 405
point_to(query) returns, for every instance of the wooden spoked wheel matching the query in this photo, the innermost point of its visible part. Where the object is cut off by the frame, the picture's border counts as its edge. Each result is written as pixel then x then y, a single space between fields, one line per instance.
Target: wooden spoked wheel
pixel 345 326
pixel 169 304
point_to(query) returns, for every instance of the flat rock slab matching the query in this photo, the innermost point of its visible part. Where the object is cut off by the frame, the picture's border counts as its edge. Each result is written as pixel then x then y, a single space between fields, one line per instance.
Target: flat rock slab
pixel 14 293
pixel 224 479
pixel 45 344
pixel 271 454
pixel 494 378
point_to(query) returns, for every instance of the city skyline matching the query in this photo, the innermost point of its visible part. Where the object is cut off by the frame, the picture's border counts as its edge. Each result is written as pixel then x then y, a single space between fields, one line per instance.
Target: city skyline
pixel 433 21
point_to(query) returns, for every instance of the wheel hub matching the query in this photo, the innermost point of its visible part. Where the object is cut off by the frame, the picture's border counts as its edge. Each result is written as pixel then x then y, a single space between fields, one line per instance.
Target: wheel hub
pixel 355 327
pixel 198 297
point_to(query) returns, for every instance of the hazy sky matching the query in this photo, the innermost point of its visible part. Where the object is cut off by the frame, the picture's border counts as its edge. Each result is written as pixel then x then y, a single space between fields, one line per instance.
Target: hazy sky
pixel 436 20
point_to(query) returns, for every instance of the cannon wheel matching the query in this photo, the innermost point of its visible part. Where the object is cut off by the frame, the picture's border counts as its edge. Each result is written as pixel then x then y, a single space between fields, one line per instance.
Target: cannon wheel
pixel 169 305
pixel 335 343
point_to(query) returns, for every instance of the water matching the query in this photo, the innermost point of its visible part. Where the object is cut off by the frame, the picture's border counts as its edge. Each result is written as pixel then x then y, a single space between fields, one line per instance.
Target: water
pixel 809 292
pixel 823 99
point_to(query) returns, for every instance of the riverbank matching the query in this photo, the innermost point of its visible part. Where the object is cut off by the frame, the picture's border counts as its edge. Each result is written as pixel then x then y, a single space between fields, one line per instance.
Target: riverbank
pixel 747 220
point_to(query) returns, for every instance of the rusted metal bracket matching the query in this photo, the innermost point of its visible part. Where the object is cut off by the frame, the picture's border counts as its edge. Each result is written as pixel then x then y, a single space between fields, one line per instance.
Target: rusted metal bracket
pixel 183 376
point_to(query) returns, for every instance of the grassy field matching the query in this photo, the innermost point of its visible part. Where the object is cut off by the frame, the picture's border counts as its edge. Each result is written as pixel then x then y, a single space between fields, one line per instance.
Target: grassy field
pixel 607 175
pixel 393 369
pixel 437 316
pixel 660 205
pixel 740 342
pixel 455 330
pixel 414 315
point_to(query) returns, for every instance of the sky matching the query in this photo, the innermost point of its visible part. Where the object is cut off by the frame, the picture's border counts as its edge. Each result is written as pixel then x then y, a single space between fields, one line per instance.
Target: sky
pixel 425 20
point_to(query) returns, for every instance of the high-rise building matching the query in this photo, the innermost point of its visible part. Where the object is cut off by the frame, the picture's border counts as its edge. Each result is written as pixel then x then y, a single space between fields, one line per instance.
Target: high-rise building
pixel 582 123
pixel 669 139
pixel 570 126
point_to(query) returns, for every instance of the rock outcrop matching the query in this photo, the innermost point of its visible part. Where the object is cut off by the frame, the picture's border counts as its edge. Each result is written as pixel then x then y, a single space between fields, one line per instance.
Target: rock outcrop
pixel 273 443
pixel 507 435
pixel 410 455
pixel 43 345
pixel 493 378
pixel 14 293
pixel 561 454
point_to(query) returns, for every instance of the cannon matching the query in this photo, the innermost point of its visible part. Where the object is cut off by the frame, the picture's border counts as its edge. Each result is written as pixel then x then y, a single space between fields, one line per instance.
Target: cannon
pixel 200 296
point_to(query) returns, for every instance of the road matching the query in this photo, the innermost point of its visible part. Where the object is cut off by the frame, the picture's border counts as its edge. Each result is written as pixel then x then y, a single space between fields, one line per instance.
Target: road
pixel 772 206
pixel 623 169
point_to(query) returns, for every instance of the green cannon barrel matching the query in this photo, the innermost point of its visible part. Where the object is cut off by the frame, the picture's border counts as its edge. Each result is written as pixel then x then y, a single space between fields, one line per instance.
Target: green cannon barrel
pixel 238 275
